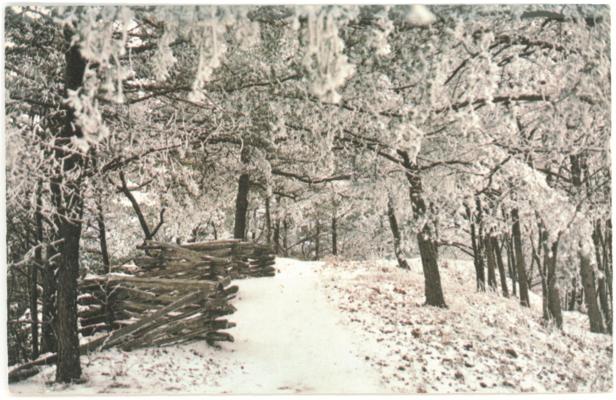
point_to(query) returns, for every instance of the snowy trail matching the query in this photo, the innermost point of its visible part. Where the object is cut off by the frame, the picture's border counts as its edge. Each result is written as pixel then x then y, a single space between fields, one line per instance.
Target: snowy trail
pixel 290 340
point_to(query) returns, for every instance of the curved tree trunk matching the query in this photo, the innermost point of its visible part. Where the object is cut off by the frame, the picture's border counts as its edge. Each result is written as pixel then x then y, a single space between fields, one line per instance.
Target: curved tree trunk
pixel 393 224
pixel 426 242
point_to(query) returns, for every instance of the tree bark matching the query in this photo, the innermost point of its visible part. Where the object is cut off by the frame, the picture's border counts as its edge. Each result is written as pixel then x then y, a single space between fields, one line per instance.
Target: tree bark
pixel 477 253
pixel 317 241
pixel 607 259
pixel 285 236
pixel 277 237
pixel 511 265
pixel 572 295
pixel 428 248
pixel 147 232
pixel 68 203
pixel 429 262
pixel 268 220
pixel 491 262
pixel 393 224
pixel 102 235
pixel 554 307
pixel 48 275
pixel 501 267
pixel 601 282
pixel 69 367
pixel 241 201
pixel 519 256
pixel 334 236
pixel 590 294
pixel 578 171
pixel 38 263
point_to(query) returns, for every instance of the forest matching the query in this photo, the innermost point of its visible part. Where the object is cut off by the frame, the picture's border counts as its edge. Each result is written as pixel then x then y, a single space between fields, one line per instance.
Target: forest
pixel 466 141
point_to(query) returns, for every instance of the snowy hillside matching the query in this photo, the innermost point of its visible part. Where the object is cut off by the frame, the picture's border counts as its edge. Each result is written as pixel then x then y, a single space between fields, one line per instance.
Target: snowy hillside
pixel 360 328
pixel 481 343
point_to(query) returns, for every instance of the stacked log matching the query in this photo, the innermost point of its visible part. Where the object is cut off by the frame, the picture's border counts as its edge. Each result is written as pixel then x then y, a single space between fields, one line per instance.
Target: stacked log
pixel 166 260
pixel 170 324
pixel 164 274
pixel 173 294
pixel 131 300
pixel 247 259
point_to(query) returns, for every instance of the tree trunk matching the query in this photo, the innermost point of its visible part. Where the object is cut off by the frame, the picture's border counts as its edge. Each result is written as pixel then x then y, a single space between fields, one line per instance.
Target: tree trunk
pixel 590 294
pixel 491 262
pixel 477 254
pixel 277 237
pixel 601 282
pixel 214 230
pixel 38 263
pixel 268 221
pixel 607 259
pixel 393 224
pixel 285 236
pixel 554 307
pixel 511 265
pixel 425 241
pixel 317 242
pixel 68 367
pixel 429 262
pixel 578 170
pixel 519 256
pixel 102 238
pixel 241 201
pixel 253 229
pixel 573 295
pixel 102 235
pixel 147 232
pixel 501 267
pixel 334 236
pixel 48 275
pixel 67 200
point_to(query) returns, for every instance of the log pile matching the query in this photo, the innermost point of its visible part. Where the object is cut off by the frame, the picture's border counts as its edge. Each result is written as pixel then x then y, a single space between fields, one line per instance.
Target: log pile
pixel 168 272
pixel 116 301
pixel 173 294
pixel 165 272
pixel 247 259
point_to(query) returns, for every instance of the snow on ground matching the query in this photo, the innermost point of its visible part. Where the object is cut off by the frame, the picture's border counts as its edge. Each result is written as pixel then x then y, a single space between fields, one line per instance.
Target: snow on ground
pixel 349 327
pixel 481 343
pixel 289 339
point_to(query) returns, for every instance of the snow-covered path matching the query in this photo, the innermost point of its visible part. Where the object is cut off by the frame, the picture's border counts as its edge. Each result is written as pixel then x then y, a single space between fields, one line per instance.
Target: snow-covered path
pixel 289 338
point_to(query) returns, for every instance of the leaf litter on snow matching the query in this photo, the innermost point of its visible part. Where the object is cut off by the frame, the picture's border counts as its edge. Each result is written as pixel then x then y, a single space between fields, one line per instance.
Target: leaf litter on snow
pixel 482 342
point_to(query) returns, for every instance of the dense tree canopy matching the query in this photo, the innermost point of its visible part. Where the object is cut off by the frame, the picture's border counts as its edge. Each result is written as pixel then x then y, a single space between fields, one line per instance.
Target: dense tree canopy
pixel 354 131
